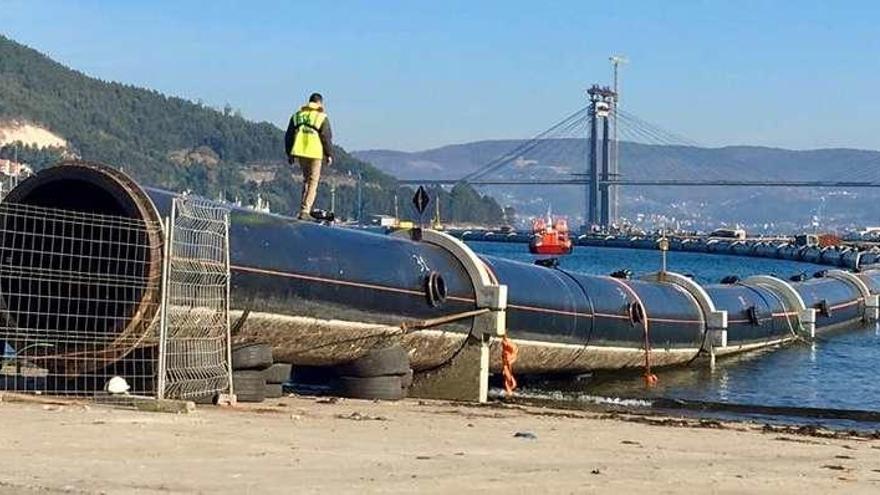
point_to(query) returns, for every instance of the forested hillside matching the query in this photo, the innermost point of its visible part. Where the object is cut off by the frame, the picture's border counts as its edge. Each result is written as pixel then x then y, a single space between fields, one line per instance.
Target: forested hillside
pixel 178 144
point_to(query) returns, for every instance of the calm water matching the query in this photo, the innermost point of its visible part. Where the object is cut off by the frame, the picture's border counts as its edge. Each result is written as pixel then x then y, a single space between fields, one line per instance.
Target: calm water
pixel 838 372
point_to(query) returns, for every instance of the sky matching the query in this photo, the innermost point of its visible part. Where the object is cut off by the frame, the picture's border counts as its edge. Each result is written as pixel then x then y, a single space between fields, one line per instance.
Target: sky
pixel 412 75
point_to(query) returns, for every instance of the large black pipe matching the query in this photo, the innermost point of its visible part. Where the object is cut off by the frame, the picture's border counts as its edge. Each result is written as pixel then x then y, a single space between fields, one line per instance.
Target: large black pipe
pixel 754 314
pixel 106 307
pixel 836 302
pixel 298 284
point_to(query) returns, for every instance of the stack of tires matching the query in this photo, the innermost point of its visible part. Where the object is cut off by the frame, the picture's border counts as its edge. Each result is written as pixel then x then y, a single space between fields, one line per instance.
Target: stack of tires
pixel 382 373
pixel 255 377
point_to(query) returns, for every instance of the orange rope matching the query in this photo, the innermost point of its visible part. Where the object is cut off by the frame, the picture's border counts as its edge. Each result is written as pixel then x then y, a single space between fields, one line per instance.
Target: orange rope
pixel 508 357
pixel 650 378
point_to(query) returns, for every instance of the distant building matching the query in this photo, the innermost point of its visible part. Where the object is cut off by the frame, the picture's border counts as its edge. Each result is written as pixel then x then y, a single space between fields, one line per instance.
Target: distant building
pixel 17 170
pixel 261 205
pixel 806 240
pixel 383 220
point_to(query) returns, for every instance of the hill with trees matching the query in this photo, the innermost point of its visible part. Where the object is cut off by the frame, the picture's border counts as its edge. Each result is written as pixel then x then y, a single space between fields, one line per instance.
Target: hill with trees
pixel 178 144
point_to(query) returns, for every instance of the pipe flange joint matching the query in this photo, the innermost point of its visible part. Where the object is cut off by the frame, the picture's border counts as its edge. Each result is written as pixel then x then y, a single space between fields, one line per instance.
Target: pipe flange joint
pixel 716 319
pixel 488 293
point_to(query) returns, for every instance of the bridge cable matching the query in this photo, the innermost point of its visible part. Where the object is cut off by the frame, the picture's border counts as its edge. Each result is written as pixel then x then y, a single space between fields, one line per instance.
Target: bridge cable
pixel 502 160
pixel 522 149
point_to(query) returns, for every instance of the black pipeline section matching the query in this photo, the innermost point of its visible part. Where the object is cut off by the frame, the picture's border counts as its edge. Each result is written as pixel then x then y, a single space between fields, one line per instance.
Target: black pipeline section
pixel 291 277
pixel 843 256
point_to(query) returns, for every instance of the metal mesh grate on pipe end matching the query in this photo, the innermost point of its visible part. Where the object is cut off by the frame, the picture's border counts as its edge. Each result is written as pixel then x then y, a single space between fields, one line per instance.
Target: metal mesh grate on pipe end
pixel 78 291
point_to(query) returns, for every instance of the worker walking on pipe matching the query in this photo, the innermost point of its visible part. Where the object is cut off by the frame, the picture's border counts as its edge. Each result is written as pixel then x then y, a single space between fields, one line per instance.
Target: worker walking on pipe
pixel 309 141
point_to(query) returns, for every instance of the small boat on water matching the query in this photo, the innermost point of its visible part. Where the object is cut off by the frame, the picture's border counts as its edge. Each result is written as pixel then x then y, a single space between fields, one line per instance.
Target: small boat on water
pixel 550 237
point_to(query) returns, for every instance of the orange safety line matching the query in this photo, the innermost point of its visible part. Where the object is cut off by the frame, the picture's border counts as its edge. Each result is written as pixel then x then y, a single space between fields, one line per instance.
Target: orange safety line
pixel 326 280
pixel 347 283
pixel 676 320
pixel 654 318
pixel 610 315
pixel 650 378
pixel 548 310
pixel 785 314
pixel 599 315
pixel 795 313
pixel 509 353
pixel 847 304
pixel 461 299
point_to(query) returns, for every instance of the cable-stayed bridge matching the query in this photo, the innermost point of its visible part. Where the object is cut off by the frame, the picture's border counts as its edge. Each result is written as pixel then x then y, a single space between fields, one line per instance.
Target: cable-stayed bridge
pixel 582 144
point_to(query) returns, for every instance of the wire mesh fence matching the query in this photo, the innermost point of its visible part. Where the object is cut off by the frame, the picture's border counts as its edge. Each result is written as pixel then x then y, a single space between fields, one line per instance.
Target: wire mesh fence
pixel 195 347
pixel 86 298
pixel 79 295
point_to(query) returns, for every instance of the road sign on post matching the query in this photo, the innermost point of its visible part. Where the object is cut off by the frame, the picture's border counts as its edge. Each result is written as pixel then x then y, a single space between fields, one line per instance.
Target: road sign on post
pixel 420 201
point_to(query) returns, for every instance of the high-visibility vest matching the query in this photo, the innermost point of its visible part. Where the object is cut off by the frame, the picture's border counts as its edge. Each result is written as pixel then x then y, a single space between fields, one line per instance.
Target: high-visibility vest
pixel 307 124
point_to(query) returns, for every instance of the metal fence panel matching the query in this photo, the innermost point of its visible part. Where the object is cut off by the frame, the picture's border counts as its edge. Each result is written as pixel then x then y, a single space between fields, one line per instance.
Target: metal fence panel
pixel 194 359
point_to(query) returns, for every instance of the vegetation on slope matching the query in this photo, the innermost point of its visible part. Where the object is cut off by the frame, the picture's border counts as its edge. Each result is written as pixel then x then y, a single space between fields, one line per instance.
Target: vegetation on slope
pixel 178 144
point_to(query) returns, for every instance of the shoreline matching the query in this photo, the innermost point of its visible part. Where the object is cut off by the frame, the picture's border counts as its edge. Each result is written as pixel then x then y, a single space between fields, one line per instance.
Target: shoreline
pixel 315 444
pixel 826 422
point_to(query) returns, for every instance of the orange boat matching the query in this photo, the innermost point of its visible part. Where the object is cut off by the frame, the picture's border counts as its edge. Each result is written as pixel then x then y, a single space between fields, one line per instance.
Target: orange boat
pixel 550 237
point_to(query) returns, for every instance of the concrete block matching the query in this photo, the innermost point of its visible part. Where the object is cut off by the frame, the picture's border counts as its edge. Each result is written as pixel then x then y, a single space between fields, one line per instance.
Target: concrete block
pixel 718 337
pixel 807 318
pixel 465 377
pixel 493 323
pixel 716 320
pixel 872 308
pixel 493 296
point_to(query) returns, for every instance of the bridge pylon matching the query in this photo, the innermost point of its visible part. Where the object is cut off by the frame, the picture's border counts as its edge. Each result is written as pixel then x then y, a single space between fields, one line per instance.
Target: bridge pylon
pixel 598 210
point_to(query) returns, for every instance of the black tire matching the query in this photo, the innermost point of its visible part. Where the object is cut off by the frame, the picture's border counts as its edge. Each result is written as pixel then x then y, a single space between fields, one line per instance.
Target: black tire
pixel 278 373
pixel 406 379
pixel 251 357
pixel 392 360
pixel 249 386
pixel 274 390
pixel 389 387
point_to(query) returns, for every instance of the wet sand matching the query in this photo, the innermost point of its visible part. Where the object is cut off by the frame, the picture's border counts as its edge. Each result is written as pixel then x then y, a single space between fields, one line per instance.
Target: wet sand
pixel 308 445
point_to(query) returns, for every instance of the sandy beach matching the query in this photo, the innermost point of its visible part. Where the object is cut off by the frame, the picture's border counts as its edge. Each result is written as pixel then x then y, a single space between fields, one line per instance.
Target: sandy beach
pixel 311 445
